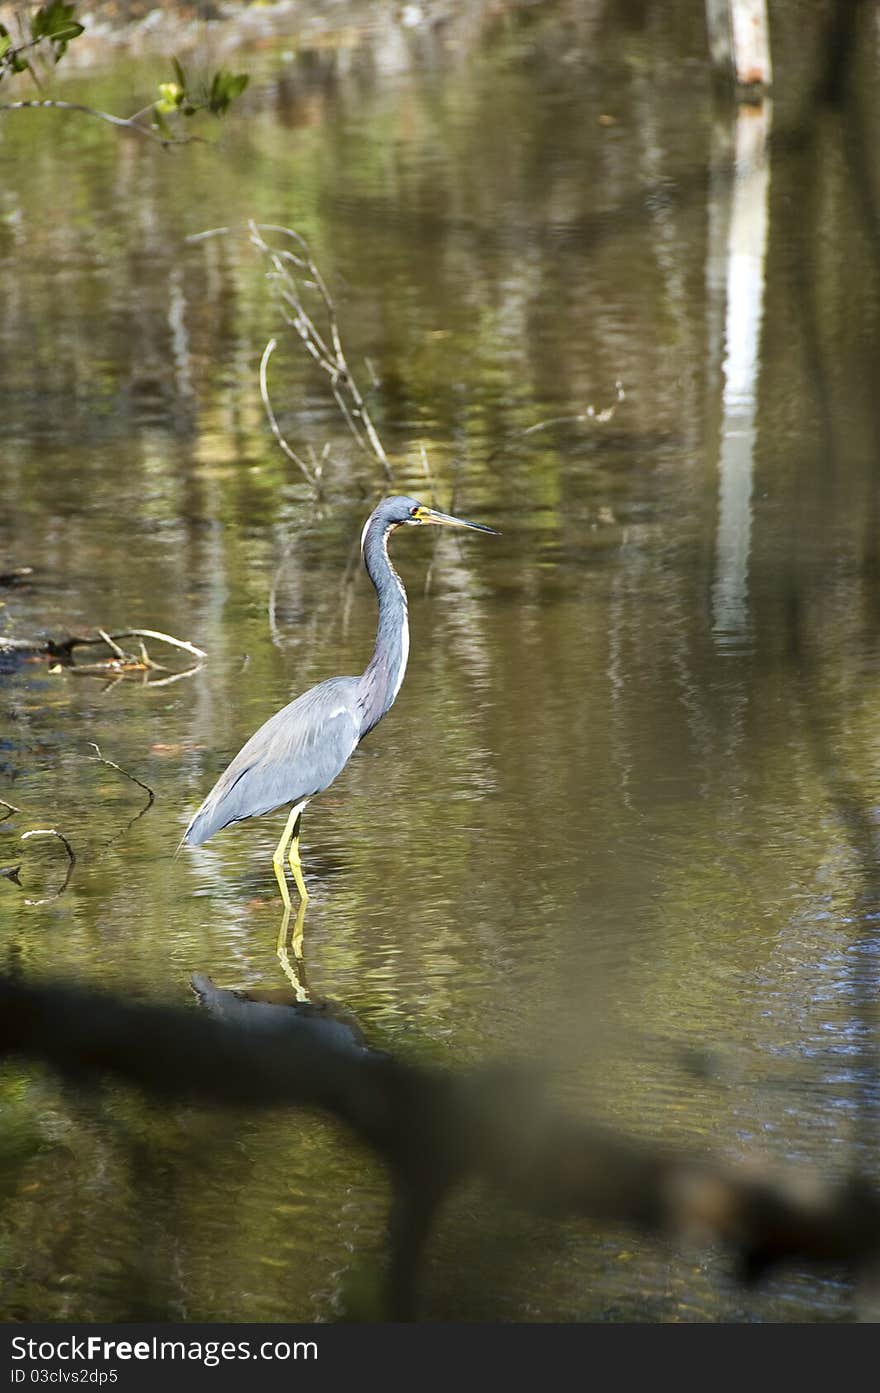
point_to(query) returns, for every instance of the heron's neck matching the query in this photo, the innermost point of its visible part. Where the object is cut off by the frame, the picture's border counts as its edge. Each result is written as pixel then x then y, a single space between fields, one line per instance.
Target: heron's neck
pixel 383 675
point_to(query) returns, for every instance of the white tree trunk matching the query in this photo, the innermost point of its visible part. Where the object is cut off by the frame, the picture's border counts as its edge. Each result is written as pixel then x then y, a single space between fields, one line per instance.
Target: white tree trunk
pixel 746 252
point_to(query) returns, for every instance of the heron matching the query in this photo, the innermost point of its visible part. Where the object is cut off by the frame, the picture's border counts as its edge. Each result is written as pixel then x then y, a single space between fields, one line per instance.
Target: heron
pixel 298 752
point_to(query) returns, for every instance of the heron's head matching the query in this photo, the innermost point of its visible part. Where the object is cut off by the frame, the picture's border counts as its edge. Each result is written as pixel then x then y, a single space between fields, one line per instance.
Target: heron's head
pixel 401 511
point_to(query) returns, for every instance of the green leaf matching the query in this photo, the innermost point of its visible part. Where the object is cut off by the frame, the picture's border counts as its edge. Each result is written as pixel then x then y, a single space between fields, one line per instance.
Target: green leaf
pixel 225 87
pixel 179 73
pixel 56 23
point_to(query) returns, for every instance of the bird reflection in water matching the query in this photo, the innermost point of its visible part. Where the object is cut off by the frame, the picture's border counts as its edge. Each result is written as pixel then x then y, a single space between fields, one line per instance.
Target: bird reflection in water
pixel 295 971
pixel 281 1011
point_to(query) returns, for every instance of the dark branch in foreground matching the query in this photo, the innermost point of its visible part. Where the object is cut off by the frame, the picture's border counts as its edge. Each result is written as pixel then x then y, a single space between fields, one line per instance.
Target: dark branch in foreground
pixel 434 1130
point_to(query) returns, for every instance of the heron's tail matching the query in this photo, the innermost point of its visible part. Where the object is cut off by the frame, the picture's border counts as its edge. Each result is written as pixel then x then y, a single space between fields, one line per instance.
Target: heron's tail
pixel 195 833
pixel 211 816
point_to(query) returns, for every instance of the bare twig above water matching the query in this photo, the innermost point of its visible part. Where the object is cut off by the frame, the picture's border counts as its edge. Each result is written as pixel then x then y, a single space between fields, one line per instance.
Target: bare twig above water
pixel 119 664
pixel 292 272
pixel 193 237
pixel 183 644
pixel 71 860
pixel 151 797
pixel 312 477
pixel 111 764
pixel 114 646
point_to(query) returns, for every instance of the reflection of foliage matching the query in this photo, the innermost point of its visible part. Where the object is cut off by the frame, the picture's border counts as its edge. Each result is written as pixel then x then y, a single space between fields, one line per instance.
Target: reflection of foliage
pixel 50 30
pixel 21 1138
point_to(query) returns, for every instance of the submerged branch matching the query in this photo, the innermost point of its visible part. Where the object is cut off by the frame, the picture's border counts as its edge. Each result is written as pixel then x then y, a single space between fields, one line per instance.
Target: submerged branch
pixel 111 764
pixel 71 860
pixel 591 414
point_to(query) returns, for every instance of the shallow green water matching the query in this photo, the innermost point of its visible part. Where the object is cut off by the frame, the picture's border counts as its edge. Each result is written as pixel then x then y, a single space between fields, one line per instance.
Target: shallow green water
pixel 596 827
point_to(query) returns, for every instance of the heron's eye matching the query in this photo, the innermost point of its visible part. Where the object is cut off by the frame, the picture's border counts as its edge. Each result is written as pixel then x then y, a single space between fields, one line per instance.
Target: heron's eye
pixel 413 512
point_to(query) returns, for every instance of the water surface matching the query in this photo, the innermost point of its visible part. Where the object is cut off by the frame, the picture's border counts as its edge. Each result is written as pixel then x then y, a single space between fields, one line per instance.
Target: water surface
pixel 596 828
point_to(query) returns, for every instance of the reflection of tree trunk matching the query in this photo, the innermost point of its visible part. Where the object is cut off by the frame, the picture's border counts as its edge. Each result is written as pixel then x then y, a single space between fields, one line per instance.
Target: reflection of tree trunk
pixel 739 42
pixel 746 250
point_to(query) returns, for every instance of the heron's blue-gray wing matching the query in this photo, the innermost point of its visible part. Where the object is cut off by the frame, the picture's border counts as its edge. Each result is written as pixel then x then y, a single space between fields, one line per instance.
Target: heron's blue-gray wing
pixel 298 752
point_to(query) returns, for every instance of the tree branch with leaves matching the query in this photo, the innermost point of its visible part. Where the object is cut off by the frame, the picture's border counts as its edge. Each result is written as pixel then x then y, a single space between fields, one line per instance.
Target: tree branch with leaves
pixel 43 37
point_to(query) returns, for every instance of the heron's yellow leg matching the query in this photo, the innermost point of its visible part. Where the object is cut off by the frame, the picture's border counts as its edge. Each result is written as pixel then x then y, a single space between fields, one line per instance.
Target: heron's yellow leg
pixel 296 864
pixel 278 868
pixel 295 971
pixel 278 854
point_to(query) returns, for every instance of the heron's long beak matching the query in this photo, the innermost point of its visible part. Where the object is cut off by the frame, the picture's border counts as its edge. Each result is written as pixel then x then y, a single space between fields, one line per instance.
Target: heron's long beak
pixel 446 520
